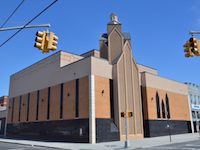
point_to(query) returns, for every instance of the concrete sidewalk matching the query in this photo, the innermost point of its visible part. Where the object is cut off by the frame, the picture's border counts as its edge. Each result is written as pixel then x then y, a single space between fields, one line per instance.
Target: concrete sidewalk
pixel 136 144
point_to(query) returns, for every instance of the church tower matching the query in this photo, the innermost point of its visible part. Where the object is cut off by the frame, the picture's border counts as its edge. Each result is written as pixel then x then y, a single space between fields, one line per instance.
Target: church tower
pixel 115 46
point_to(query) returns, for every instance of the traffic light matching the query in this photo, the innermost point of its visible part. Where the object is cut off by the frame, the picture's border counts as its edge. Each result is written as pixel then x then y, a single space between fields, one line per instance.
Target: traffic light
pixel 192 47
pixel 130 114
pixel 40 40
pixel 52 41
pixel 193 44
pixel 123 114
pixel 188 50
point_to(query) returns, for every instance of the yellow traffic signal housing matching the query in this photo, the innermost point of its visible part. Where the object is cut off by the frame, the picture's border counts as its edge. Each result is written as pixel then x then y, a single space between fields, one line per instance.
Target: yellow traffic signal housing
pixel 196 48
pixel 188 48
pixel 52 41
pixel 192 47
pixel 40 40
pixel 130 114
pixel 188 51
pixel 45 50
pixel 123 114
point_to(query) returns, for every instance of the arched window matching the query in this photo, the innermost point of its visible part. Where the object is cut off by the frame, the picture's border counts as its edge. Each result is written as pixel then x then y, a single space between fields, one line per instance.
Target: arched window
pixel 167 106
pixel 158 105
pixel 163 110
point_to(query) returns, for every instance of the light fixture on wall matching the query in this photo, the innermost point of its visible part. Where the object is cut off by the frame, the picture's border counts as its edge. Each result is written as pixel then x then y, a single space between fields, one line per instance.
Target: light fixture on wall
pixel 102 92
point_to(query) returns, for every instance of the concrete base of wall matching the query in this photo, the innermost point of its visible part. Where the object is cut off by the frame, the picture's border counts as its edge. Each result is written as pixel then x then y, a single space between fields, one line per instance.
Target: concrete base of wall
pixel 153 128
pixel 76 131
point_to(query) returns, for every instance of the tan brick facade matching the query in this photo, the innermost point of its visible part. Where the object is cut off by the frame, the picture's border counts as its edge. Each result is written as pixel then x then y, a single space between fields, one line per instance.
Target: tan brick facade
pixel 43 98
pixel 23 116
pixel 55 103
pixel 102 97
pixel 16 110
pixel 84 97
pixel 51 96
pixel 69 100
pixel 178 104
pixel 33 108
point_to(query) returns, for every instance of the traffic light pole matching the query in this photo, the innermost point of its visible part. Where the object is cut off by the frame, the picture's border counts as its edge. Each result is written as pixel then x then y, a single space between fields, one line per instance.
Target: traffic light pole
pixel 194 32
pixel 127 144
pixel 26 27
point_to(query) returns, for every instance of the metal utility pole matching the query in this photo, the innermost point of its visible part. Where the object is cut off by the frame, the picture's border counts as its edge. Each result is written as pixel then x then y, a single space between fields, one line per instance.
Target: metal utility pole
pixel 26 27
pixel 194 32
pixel 127 144
pixel 29 22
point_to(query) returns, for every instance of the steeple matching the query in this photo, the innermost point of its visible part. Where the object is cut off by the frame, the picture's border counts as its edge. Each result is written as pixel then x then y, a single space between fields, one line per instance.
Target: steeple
pixel 114 19
pixel 114 22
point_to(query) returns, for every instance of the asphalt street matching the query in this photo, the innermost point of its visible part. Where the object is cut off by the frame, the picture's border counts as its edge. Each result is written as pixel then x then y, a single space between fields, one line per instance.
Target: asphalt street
pixel 8 146
pixel 192 145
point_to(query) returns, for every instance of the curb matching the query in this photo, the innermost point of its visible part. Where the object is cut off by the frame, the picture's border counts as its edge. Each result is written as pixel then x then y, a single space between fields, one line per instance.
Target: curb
pixel 32 145
pixel 137 146
pixel 168 143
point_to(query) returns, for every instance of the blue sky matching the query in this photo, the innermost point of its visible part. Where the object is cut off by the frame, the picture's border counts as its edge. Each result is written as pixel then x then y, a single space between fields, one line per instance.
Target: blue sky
pixel 158 30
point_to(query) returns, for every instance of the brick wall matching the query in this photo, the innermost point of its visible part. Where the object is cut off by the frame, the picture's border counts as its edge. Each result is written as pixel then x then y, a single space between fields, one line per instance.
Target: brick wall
pixel 45 104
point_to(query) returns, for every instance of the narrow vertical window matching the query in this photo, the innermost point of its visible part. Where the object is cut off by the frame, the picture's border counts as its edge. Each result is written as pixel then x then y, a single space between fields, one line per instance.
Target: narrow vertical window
pixel 163 110
pixel 158 105
pixel 28 107
pixel 13 104
pixel 37 109
pixel 48 103
pixel 77 97
pixel 61 101
pixel 167 106
pixel 111 100
pixel 20 106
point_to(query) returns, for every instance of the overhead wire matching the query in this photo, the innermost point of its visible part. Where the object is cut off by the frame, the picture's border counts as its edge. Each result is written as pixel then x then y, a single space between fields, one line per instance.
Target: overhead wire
pixel 28 23
pixel 12 14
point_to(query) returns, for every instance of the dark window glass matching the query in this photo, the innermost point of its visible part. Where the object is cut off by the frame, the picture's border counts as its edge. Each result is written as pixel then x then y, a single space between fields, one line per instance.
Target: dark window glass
pixel 61 101
pixel 28 103
pixel 167 106
pixel 37 109
pixel 13 104
pixel 158 105
pixel 48 102
pixel 20 106
pixel 163 110
pixel 111 99
pixel 77 97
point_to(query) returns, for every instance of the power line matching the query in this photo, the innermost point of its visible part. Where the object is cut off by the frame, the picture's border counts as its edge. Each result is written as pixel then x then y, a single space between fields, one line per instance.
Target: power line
pixel 28 23
pixel 12 14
